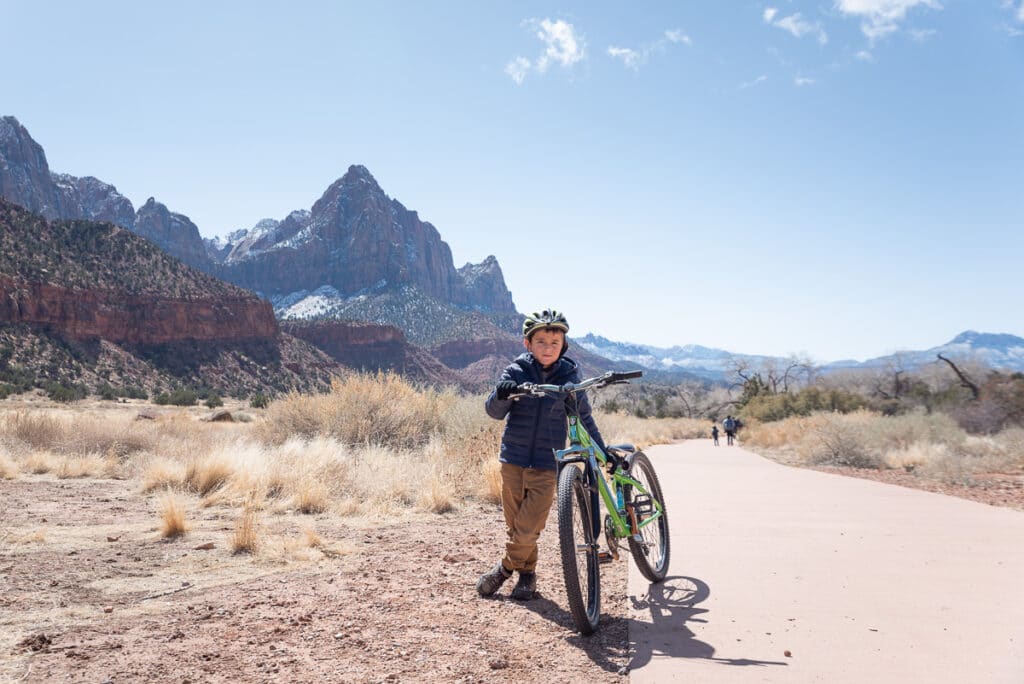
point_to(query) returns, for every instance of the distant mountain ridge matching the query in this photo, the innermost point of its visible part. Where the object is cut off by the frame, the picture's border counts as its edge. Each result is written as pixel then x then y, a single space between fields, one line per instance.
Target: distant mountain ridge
pixel 995 350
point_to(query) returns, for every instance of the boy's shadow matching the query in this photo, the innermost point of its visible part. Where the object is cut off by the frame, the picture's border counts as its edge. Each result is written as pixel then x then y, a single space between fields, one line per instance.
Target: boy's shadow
pixel 600 651
pixel 672 604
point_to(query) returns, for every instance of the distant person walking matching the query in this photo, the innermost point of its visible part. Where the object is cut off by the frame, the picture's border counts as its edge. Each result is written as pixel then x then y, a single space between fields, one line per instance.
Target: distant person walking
pixel 730 429
pixel 714 433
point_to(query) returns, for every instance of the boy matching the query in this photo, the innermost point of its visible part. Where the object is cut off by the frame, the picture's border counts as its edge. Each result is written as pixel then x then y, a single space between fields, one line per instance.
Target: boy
pixel 536 426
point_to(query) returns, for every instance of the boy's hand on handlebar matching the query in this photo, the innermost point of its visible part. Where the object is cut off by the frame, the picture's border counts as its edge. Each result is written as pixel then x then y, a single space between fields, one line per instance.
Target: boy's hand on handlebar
pixel 504 389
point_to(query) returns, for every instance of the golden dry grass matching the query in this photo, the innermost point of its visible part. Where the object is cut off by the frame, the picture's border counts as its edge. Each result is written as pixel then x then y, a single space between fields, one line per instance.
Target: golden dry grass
pixel 245 538
pixel 643 432
pixel 163 473
pixel 375 446
pixel 8 468
pixel 172 515
pixel 929 444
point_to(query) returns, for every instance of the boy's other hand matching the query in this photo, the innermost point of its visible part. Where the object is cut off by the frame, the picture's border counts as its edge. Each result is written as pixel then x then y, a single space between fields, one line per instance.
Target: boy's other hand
pixel 504 388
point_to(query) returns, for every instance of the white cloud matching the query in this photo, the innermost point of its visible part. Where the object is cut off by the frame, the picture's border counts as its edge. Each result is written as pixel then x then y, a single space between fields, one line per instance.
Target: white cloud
pixel 635 58
pixel 880 18
pixel 1020 12
pixel 921 35
pixel 795 24
pixel 677 36
pixel 517 69
pixel 563 45
pixel 757 81
pixel 801 81
pixel 631 58
pixel 865 56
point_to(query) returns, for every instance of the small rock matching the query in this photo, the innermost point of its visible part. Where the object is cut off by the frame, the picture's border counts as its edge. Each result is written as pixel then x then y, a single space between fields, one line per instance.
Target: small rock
pixel 145 415
pixel 787 654
pixel 108 609
pixel 204 547
pixel 498 664
pixel 221 416
pixel 113 539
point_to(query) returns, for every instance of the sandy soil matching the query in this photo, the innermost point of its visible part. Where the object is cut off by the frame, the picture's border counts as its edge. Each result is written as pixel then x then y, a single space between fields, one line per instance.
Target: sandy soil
pixel 90 592
pixel 994 489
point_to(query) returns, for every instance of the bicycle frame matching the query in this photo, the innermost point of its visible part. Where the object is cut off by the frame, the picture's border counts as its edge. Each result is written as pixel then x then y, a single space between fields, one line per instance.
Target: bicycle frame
pixel 582 450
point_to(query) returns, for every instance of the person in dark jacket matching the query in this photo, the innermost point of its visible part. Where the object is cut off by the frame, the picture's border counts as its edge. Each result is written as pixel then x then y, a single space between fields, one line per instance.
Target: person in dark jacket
pixel 534 428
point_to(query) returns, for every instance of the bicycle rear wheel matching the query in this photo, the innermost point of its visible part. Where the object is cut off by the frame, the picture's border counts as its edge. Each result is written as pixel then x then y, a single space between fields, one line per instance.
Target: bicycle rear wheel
pixel 579 550
pixel 651 552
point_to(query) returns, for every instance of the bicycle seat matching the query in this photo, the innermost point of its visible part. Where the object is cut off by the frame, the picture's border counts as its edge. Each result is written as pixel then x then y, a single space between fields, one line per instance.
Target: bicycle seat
pixel 621 450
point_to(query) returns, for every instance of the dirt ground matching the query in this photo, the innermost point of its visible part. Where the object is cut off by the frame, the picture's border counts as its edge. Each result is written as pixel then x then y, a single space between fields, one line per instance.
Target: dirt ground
pixel 89 592
pixel 994 489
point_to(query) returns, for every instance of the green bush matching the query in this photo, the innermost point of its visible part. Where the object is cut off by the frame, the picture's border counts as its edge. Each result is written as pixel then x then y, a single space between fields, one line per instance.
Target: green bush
pixel 134 393
pixel 179 397
pixel 767 408
pixel 213 401
pixel 59 391
pixel 106 392
pixel 259 400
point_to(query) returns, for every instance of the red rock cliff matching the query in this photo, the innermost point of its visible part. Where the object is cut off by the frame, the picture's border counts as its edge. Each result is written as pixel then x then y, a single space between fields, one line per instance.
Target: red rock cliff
pixel 134 319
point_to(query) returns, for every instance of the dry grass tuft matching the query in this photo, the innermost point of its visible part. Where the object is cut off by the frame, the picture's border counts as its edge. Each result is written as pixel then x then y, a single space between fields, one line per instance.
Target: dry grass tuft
pixel 491 491
pixel 205 474
pixel 311 496
pixel 163 473
pixel 8 468
pixel 361 409
pixel 41 462
pixel 172 516
pixel 90 465
pixel 246 536
pixel 311 539
pixel 37 537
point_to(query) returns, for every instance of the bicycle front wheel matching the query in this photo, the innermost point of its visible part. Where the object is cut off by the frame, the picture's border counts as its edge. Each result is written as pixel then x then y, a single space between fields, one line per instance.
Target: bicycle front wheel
pixel 579 549
pixel 651 550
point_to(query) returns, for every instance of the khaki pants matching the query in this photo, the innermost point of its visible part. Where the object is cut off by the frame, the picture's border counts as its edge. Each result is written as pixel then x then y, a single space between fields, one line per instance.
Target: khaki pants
pixel 526 497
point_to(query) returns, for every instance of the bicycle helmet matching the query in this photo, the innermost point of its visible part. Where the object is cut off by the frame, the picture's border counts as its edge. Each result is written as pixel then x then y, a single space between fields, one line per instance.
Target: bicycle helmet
pixel 548 319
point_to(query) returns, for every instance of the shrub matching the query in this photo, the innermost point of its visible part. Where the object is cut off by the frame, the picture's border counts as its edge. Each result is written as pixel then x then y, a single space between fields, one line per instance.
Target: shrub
pixel 172 516
pixel 179 397
pixel 213 401
pixel 106 392
pixel 382 409
pixel 58 391
pixel 259 401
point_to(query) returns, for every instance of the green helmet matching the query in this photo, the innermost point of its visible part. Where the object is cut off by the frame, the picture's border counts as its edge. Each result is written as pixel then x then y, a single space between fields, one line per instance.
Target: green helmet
pixel 548 319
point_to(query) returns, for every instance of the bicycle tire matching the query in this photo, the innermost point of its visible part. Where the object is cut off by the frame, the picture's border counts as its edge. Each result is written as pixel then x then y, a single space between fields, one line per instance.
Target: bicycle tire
pixel 652 554
pixel 578 550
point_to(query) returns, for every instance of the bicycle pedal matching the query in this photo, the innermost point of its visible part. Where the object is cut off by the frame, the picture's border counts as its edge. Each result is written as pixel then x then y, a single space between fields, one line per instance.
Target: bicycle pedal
pixel 605 557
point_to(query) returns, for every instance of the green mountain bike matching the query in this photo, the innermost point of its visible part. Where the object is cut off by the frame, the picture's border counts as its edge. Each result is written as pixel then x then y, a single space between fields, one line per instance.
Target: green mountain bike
pixel 632 498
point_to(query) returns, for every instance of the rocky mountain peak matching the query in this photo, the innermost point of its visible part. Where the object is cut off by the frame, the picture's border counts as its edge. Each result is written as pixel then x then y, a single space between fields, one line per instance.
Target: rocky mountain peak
pixel 173 233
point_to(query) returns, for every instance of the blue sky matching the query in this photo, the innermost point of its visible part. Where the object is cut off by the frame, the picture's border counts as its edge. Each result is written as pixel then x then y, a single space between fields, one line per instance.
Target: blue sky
pixel 840 178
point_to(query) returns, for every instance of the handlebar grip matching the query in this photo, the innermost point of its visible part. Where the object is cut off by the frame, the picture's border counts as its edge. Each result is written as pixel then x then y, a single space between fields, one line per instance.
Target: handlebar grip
pixel 626 375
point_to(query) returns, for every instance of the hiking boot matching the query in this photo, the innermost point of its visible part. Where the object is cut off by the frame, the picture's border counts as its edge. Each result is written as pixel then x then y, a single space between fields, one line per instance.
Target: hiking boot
pixel 526 587
pixel 490 582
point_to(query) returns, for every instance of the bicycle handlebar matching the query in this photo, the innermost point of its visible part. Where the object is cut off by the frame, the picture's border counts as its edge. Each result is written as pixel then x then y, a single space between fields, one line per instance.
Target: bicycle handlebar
pixel 603 380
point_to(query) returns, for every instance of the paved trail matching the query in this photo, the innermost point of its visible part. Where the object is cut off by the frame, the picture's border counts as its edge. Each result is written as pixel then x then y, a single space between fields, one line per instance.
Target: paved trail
pixel 860 581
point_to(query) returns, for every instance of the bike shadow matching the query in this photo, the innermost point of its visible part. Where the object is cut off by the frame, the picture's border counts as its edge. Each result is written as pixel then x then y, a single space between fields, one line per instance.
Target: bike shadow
pixel 673 604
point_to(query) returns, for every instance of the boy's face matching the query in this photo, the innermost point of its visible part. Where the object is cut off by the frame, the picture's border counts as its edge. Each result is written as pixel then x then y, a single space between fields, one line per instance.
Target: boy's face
pixel 545 345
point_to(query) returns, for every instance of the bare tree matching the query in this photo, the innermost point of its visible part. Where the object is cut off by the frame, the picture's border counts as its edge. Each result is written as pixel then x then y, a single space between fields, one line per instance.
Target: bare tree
pixel 964 380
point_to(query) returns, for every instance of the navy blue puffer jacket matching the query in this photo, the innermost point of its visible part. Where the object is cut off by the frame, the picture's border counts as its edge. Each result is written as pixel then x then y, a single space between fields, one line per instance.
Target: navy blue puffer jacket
pixel 538 425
